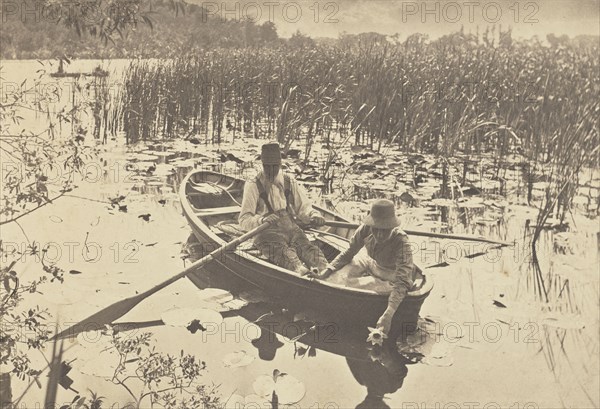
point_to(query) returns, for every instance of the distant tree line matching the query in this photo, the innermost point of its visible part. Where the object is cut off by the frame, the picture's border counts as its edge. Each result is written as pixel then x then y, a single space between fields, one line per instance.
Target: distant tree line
pixel 166 29
pixel 44 29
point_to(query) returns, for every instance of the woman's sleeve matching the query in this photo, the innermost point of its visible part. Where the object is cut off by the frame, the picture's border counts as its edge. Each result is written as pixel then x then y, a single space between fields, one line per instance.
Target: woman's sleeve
pixel 356 243
pixel 403 281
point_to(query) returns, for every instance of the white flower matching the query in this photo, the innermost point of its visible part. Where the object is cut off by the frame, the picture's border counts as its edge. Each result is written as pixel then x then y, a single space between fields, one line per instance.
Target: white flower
pixel 376 336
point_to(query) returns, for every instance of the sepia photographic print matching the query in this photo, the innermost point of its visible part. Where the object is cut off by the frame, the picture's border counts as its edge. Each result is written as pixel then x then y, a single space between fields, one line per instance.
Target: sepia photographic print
pixel 309 204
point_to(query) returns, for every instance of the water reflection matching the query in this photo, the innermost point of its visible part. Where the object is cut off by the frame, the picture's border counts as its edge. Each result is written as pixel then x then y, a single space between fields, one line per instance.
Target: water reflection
pixel 267 345
pixel 569 277
pixel 381 376
pixel 379 369
pixel 516 272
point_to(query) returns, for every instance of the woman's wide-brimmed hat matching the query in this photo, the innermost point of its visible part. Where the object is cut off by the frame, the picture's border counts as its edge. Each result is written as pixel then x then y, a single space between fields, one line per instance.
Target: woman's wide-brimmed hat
pixel 270 154
pixel 382 215
pixel 267 345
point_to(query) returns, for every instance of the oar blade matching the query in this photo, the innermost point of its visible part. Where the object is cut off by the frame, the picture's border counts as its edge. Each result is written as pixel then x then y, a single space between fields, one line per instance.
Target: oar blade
pixel 120 308
pixel 101 318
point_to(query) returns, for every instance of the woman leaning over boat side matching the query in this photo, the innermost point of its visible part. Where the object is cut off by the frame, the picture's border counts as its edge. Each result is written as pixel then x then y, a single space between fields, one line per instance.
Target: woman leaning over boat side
pixel 379 253
pixel 278 199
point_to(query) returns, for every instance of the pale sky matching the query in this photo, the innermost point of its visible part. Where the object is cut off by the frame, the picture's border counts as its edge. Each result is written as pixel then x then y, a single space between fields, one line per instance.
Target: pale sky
pixel 328 18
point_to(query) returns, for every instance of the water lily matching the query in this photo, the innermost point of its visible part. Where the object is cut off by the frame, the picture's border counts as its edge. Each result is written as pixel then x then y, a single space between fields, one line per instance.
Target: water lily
pixel 376 336
pixel 287 389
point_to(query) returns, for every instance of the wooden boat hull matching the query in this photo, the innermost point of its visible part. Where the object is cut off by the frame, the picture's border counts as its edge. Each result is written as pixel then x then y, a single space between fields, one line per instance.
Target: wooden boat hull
pixel 342 304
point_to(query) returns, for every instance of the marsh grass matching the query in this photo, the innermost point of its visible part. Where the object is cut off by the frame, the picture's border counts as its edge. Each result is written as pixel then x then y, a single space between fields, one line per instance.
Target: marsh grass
pixel 519 111
pixel 451 96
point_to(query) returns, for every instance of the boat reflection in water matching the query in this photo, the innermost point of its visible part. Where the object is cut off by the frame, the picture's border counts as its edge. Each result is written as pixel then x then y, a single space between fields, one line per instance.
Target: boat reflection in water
pixel 383 376
pixel 380 369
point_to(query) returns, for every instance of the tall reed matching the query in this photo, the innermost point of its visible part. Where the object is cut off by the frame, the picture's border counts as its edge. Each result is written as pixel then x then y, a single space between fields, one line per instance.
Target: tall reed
pixel 455 96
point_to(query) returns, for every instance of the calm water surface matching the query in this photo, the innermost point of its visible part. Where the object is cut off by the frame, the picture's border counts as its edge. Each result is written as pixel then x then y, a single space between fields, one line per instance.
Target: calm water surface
pixel 485 339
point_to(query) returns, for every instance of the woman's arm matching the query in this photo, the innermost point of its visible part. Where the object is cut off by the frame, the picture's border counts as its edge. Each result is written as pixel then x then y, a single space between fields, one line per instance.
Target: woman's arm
pixel 356 243
pixel 402 283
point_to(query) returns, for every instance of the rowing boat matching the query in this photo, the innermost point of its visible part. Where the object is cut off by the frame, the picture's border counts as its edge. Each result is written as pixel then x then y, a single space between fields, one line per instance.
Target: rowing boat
pixel 211 204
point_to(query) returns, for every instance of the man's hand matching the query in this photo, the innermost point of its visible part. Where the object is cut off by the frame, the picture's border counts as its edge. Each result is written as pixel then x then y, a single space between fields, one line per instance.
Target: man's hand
pixel 317 221
pixel 385 322
pixel 324 274
pixel 270 218
pixel 312 272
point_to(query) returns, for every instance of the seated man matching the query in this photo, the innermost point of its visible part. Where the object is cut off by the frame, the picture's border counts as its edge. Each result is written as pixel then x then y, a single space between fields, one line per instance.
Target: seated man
pixel 388 257
pixel 278 199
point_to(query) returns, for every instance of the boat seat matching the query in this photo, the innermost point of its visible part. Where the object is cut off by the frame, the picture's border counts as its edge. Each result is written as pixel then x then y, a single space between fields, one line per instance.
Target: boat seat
pixel 217 211
pixel 212 189
pixel 204 194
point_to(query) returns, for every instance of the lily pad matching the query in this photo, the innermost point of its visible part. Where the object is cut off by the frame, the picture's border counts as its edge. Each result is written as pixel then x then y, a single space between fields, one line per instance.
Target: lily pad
pixel 541 185
pixel 159 153
pixel 442 202
pixel 235 304
pixel 486 222
pixel 163 169
pixel 471 203
pixel 237 359
pixel 219 300
pixel 496 203
pixel 236 401
pixel 143 156
pixel 215 295
pixel 288 389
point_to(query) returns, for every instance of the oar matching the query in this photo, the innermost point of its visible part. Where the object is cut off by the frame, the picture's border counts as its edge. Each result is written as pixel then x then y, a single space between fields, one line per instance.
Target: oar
pixel 426 234
pixel 120 308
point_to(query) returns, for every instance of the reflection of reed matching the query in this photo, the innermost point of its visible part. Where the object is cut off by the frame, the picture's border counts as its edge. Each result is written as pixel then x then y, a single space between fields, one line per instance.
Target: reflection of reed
pixel 569 338
pixel 540 287
pixel 567 353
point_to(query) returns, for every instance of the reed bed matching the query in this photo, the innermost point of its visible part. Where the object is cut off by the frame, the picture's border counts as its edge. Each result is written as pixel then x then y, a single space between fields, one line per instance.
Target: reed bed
pixel 531 108
pixel 455 97
pixel 451 96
